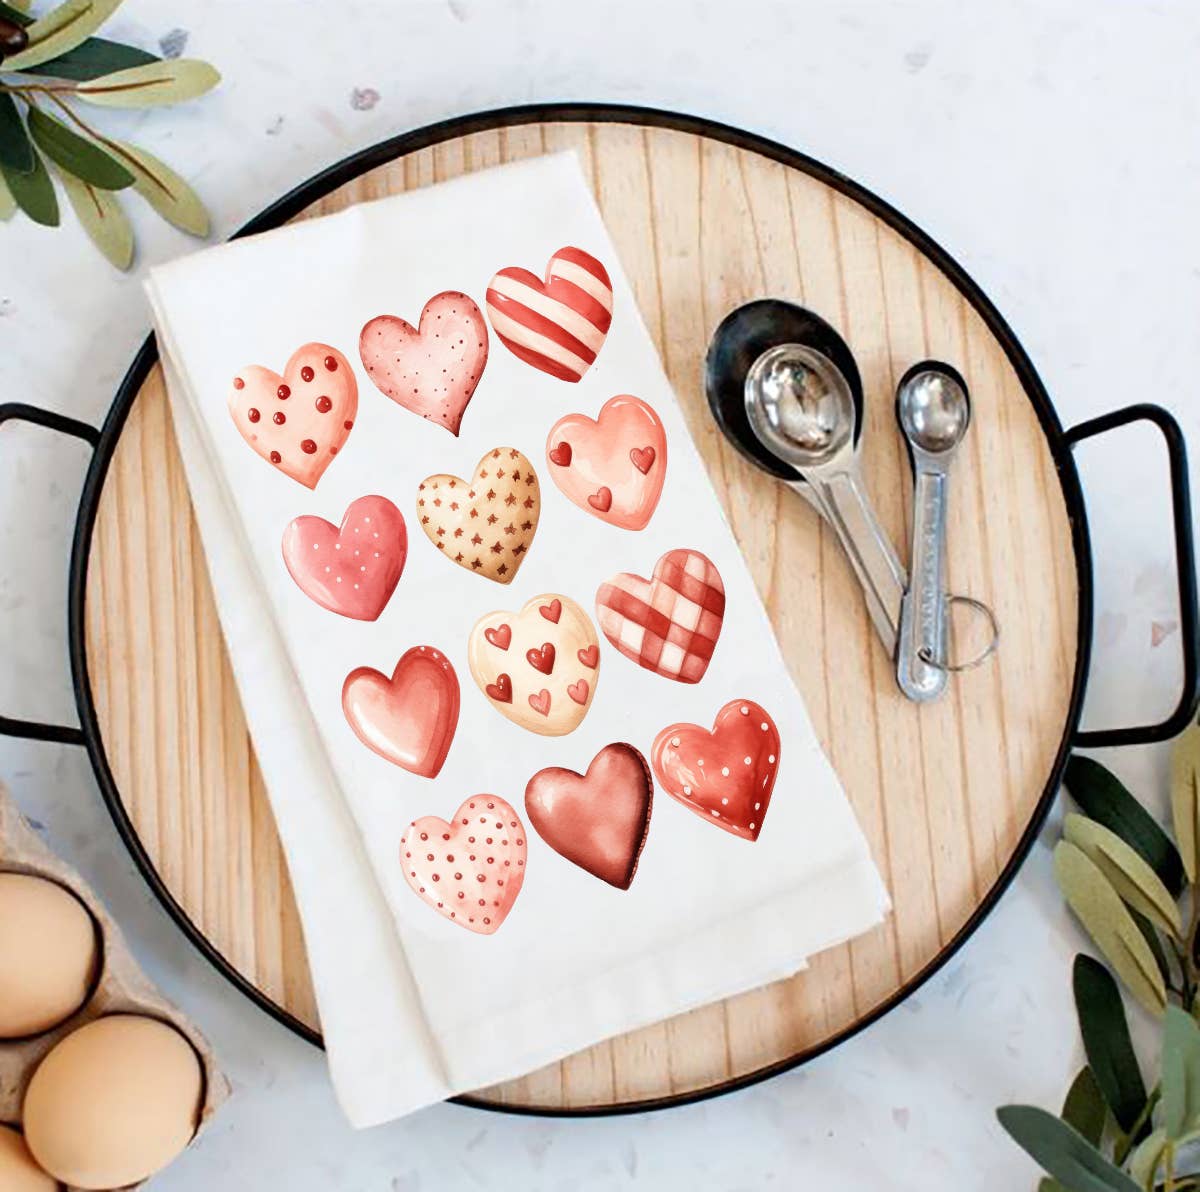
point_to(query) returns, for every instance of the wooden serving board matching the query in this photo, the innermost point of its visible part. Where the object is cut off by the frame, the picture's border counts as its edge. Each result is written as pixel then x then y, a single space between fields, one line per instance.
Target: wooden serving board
pixel 944 792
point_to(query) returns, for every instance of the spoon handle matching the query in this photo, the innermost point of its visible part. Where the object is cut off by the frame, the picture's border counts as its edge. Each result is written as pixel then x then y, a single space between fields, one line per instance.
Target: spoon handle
pixel 923 609
pixel 846 507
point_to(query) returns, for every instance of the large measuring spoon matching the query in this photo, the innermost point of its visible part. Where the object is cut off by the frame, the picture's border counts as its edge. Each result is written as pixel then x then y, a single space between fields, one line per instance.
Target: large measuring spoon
pixel 934 411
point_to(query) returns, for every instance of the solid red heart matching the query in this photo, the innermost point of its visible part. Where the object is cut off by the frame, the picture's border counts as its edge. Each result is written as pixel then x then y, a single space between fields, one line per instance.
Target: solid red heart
pixel 501 689
pixel 561 455
pixel 643 459
pixel 540 702
pixel 543 659
pixel 500 637
pixel 601 500
pixel 578 691
pixel 725 776
pixel 432 369
pixel 589 655
pixel 410 718
pixel 598 820
pixel 350 569
pixel 551 611
pixel 471 869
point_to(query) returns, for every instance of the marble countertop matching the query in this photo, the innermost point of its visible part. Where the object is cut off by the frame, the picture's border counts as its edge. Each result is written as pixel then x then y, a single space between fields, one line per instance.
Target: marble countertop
pixel 1051 147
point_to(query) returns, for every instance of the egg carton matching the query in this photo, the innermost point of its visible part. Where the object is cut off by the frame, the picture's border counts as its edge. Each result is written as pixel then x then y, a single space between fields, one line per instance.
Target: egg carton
pixel 122 987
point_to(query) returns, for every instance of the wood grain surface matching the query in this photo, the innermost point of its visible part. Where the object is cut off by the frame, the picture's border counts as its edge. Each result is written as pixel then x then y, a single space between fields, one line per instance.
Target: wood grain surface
pixel 943 792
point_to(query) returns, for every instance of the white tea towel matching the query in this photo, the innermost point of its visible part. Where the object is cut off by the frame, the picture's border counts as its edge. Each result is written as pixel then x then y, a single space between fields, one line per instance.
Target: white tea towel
pixel 535 644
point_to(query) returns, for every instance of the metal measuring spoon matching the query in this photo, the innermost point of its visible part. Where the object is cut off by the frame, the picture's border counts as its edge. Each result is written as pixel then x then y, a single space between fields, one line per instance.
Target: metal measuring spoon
pixel 934 411
pixel 800 407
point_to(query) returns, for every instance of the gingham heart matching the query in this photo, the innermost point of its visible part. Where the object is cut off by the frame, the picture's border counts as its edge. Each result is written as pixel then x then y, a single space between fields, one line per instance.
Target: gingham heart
pixel 469 870
pixel 670 623
pixel 557 325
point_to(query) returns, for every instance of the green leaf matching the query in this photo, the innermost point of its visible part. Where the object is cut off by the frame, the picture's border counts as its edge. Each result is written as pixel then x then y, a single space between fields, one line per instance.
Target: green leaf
pixel 1084 1107
pixel 152 86
pixel 16 15
pixel 1143 1163
pixel 1180 1073
pixel 61 30
pixel 1150 935
pixel 1062 1151
pixel 77 155
pixel 100 213
pixel 1185 798
pixel 34 193
pixel 1106 920
pixel 1127 871
pixel 1106 1041
pixel 8 204
pixel 166 192
pixel 16 150
pixel 95 57
pixel 1102 797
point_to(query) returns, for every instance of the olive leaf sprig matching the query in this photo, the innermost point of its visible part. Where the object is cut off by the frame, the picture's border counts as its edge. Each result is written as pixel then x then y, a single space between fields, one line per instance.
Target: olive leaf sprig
pixel 1137 894
pixel 48 66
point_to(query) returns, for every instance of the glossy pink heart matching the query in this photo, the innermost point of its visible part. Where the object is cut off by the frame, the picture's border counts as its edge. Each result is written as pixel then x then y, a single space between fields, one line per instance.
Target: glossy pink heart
pixel 350 569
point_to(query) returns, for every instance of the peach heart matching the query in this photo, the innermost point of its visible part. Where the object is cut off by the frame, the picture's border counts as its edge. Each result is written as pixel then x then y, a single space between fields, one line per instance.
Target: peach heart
pixel 352 569
pixel 668 624
pixel 726 776
pixel 540 681
pixel 557 325
pixel 410 718
pixel 469 870
pixel 598 820
pixel 298 421
pixel 484 524
pixel 612 466
pixel 431 369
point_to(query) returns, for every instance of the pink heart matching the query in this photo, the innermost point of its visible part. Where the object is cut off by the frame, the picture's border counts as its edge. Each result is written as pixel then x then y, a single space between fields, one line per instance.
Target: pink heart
pixel 612 466
pixel 432 369
pixel 298 421
pixel 410 718
pixel 352 569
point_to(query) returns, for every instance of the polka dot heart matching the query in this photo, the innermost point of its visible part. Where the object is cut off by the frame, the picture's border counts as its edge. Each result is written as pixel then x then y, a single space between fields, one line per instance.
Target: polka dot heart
pixel 469 870
pixel 724 776
pixel 299 421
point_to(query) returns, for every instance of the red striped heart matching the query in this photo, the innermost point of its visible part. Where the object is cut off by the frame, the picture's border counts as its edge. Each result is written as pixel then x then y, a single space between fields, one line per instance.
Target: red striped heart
pixel 558 325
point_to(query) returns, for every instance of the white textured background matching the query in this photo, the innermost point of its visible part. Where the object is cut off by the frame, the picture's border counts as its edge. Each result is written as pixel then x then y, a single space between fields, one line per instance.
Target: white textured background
pixel 1052 147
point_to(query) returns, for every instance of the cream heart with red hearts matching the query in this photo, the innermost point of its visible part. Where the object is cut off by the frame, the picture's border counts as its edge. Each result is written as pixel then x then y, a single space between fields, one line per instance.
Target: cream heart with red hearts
pixel 471 869
pixel 557 325
pixel 725 776
pixel 613 465
pixel 352 569
pixel 434 368
pixel 538 667
pixel 299 421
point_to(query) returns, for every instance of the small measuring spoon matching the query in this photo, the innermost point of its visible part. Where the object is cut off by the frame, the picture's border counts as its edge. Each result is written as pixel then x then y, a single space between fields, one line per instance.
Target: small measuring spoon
pixel 801 409
pixel 934 410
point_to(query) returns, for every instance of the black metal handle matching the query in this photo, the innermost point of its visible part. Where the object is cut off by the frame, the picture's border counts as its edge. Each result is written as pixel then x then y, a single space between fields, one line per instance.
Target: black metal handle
pixel 33 730
pixel 1185 565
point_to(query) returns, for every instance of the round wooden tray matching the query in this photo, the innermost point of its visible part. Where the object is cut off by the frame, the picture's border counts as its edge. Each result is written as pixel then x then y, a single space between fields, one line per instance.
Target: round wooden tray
pixel 949 795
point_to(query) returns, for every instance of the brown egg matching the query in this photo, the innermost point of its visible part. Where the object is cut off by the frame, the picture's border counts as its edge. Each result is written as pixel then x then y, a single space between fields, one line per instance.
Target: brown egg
pixel 18 1171
pixel 114 1102
pixel 48 954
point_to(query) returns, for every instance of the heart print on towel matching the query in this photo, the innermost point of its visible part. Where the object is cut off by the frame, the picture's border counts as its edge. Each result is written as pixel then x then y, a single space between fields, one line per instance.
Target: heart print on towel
pixel 598 820
pixel 431 369
pixel 538 667
pixel 612 466
pixel 486 524
pixel 410 718
pixel 469 870
pixel 557 325
pixel 670 623
pixel 298 421
pixel 725 776
pixel 350 569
